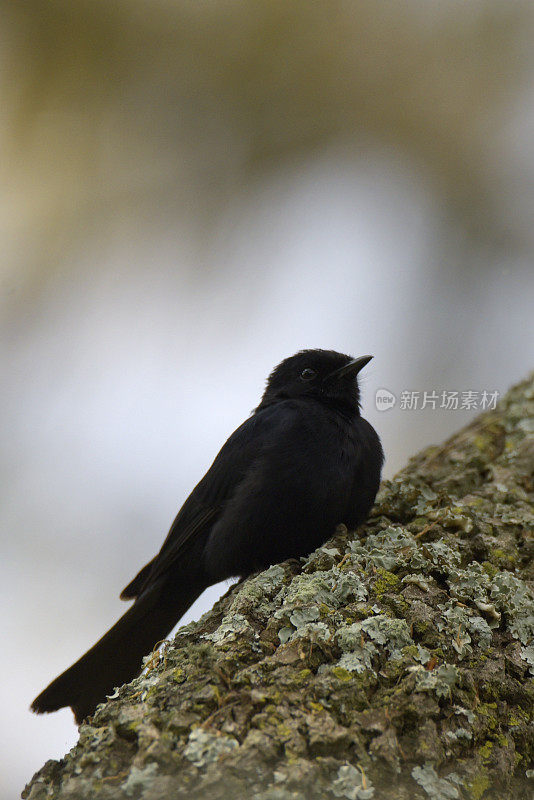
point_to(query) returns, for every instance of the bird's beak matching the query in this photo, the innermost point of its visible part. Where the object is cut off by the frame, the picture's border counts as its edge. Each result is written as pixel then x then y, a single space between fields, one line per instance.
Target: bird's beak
pixel 352 368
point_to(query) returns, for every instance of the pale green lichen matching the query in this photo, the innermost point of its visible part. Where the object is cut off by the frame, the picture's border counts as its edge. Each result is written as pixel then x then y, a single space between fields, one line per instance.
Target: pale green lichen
pixel 389 549
pixel 440 680
pixel 358 652
pixel 392 633
pixel 459 733
pixel 455 518
pixel 308 589
pixel 463 626
pixel 232 626
pixel 315 631
pixel 419 580
pixel 303 616
pixel 437 788
pixel 139 779
pixel 358 660
pixel 349 783
pixel 204 747
pixel 516 599
pixel 527 654
pixel 459 710
pixel 350 586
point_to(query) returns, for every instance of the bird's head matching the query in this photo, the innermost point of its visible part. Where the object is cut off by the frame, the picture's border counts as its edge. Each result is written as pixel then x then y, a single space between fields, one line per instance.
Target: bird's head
pixel 320 374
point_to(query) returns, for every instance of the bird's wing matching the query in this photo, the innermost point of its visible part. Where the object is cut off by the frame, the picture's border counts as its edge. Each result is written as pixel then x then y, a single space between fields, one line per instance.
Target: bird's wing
pixel 206 501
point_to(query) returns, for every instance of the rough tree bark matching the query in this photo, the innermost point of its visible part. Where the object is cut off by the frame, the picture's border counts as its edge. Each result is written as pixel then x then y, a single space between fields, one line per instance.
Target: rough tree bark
pixel 394 662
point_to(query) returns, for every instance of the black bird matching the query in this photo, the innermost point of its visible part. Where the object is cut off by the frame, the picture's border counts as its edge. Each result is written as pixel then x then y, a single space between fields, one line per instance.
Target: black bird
pixel 302 463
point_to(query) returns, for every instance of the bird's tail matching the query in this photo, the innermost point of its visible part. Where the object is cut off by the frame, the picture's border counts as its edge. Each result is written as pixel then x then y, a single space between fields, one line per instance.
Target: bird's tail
pixel 117 657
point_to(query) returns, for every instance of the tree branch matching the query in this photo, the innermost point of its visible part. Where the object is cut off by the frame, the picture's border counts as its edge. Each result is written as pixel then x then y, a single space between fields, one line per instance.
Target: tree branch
pixel 394 663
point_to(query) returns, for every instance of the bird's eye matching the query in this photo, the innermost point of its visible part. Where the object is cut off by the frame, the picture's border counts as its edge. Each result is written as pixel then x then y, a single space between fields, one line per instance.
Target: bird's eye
pixel 308 374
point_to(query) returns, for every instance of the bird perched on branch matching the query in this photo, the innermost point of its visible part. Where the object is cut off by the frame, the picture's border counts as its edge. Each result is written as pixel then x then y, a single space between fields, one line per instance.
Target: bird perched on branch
pixel 302 463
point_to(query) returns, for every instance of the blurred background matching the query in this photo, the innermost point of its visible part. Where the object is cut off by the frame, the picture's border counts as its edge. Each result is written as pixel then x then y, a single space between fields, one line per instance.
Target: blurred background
pixel 189 193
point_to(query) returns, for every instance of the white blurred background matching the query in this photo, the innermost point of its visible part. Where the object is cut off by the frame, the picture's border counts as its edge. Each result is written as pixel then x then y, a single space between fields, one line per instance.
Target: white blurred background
pixel 192 192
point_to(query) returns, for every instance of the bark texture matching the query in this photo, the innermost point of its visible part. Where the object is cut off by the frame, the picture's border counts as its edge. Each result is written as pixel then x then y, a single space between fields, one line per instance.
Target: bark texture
pixel 393 663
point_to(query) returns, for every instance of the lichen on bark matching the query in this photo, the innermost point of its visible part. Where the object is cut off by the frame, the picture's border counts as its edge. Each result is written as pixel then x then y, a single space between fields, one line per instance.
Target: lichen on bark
pixel 395 662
